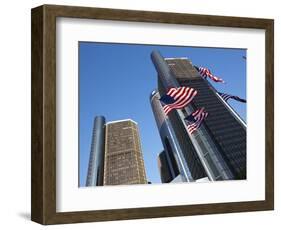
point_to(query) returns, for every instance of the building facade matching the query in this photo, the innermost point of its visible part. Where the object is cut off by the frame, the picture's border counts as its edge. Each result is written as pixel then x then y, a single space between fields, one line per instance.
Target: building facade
pixel 174 141
pixel 123 162
pixel 218 149
pixel 115 156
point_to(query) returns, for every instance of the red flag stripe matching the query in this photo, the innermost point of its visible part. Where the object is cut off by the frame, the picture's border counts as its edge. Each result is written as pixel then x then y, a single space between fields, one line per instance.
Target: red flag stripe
pixel 182 97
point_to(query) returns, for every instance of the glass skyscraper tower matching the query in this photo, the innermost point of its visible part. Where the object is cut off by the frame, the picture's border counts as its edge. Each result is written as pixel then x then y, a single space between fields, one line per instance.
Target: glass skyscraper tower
pixel 218 148
pixel 96 159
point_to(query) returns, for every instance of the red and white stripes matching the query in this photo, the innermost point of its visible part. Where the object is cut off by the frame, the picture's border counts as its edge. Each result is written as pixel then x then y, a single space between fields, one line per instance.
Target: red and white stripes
pixel 182 97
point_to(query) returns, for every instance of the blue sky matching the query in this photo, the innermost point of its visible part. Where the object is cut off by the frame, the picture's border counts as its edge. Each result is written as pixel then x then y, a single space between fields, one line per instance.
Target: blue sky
pixel 115 80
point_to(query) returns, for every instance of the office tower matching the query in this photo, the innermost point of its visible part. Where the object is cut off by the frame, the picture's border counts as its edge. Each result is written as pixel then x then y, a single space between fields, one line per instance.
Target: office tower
pixel 180 154
pixel 219 146
pixel 96 159
pixel 123 163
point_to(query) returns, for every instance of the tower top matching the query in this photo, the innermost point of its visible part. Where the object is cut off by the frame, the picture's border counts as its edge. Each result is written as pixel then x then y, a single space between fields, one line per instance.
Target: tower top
pixel 123 120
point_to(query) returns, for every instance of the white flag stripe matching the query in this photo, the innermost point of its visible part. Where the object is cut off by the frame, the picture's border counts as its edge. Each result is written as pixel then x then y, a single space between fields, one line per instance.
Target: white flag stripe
pixel 199 115
pixel 182 96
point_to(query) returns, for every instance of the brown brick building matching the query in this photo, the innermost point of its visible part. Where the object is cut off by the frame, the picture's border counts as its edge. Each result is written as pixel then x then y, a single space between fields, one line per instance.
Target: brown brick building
pixel 123 160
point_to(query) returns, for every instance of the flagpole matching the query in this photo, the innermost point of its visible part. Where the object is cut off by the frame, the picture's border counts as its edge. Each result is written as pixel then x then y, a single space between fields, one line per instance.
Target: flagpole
pixel 236 115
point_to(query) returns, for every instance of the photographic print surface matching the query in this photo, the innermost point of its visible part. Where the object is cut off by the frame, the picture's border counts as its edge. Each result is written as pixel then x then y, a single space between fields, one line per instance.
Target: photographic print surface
pixel 161 114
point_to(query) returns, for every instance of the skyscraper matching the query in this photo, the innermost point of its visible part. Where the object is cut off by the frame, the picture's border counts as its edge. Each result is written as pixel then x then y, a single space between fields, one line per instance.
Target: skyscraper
pixel 123 162
pixel 179 152
pixel 96 159
pixel 218 148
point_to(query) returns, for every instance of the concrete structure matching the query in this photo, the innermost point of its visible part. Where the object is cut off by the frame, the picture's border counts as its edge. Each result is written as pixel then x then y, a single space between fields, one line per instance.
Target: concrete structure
pixel 123 155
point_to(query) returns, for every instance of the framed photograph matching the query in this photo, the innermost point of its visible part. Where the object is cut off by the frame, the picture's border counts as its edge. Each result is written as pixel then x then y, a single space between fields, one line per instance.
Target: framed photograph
pixel 140 114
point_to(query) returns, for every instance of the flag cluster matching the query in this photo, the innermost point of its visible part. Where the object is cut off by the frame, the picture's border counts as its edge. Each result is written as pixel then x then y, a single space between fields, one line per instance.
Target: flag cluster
pixel 204 72
pixel 180 97
pixel 177 98
pixel 195 120
pixel 226 96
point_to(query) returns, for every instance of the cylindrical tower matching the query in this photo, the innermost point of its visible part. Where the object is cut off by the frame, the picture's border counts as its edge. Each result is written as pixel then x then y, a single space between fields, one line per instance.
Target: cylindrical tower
pixel 163 71
pixel 173 151
pixel 96 159
pixel 203 145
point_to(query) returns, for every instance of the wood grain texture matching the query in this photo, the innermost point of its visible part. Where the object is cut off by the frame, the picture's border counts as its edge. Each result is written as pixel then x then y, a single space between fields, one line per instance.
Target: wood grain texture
pixel 269 114
pixel 37 116
pixel 43 160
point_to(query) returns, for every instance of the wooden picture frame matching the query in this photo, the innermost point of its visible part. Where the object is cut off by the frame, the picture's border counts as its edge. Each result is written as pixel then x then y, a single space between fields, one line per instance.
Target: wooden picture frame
pixel 43 186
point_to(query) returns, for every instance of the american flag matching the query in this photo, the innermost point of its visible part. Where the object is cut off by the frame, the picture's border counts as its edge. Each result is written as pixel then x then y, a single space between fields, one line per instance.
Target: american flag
pixel 195 120
pixel 226 96
pixel 204 72
pixel 177 98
